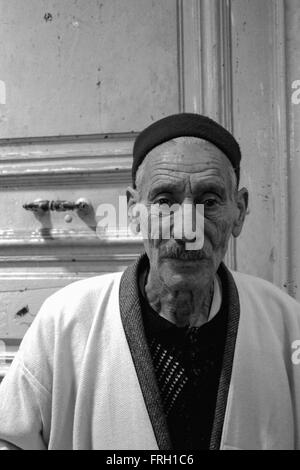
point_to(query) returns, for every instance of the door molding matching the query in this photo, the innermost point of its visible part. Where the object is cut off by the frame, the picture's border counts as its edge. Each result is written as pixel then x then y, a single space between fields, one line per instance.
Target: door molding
pixel 205 59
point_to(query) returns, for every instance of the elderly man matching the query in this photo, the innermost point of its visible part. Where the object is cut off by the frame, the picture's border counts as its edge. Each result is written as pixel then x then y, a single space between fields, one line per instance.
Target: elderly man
pixel 177 352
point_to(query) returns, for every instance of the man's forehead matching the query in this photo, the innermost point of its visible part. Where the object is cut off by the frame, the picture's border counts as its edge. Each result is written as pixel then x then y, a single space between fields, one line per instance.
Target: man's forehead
pixel 186 154
pixel 209 181
pixel 186 161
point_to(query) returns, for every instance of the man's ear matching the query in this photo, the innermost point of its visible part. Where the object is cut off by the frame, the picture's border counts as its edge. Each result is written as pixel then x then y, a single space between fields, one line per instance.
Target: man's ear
pixel 242 206
pixel 132 200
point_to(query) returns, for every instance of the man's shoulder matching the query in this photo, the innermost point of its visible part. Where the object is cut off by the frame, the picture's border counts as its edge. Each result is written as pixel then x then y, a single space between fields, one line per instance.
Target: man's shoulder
pixel 79 301
pixel 263 291
pixel 250 281
pixel 60 332
pixel 86 288
pixel 69 313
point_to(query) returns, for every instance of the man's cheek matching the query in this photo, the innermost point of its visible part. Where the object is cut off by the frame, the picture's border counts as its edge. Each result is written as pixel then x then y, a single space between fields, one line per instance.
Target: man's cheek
pixel 217 231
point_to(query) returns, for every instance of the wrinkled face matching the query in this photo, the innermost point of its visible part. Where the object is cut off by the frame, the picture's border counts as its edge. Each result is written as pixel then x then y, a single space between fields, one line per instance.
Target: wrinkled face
pixel 190 171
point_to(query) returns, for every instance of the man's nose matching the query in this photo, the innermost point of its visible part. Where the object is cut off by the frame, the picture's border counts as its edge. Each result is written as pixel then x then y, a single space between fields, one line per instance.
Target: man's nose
pixel 187 222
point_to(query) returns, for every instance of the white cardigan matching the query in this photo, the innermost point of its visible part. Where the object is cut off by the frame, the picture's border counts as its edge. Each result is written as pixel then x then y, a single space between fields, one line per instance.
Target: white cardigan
pixel 74 384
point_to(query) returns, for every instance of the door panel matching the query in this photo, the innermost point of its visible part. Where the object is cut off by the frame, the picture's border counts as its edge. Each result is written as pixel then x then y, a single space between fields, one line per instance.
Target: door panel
pixel 77 67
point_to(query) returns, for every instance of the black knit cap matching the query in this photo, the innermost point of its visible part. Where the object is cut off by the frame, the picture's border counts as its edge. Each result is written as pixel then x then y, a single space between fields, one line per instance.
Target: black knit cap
pixel 185 125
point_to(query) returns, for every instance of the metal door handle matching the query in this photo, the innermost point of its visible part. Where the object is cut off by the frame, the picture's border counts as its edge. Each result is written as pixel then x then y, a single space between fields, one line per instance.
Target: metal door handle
pixel 41 206
pixel 37 206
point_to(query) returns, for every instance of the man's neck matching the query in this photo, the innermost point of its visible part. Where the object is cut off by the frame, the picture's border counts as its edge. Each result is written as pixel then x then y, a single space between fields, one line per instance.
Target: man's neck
pixel 183 307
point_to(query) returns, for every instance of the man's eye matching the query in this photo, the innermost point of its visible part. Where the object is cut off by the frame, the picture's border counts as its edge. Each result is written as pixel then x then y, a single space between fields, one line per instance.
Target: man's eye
pixel 163 201
pixel 210 203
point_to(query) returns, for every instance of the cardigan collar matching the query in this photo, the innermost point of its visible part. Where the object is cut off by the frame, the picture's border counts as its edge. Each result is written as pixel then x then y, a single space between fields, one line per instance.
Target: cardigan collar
pixel 131 316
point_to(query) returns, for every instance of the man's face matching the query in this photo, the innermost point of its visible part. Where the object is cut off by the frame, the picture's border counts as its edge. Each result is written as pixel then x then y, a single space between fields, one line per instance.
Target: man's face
pixel 190 171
